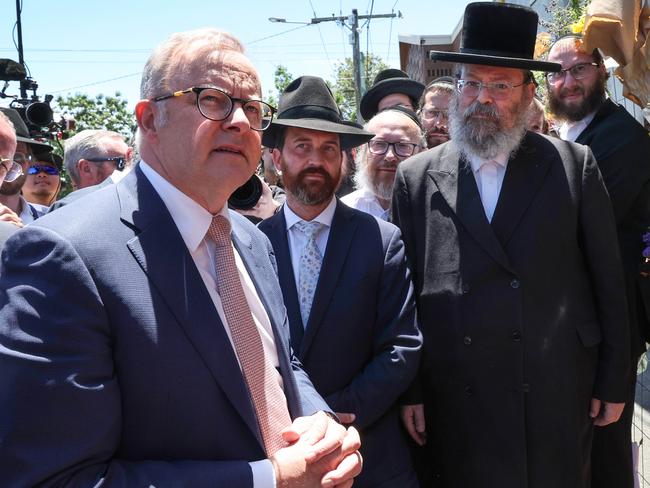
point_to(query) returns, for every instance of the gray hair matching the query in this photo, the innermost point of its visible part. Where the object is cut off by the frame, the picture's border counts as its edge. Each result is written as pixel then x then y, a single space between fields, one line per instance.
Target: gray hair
pixel 166 59
pixel 84 145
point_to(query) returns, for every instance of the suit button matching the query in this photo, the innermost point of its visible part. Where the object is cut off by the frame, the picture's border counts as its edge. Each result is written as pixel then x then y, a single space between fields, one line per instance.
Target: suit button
pixel 467 340
pixel 468 391
pixel 465 289
pixel 515 283
pixel 516 336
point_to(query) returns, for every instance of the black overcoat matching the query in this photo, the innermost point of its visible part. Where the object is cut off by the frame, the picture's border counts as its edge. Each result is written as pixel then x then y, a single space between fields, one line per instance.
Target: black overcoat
pixel 524 319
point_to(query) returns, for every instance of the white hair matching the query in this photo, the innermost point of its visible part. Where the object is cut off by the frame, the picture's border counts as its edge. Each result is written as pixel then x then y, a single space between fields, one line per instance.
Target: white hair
pixel 84 145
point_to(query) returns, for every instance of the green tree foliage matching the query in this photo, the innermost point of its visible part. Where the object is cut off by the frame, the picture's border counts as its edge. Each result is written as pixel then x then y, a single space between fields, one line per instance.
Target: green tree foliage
pixel 564 20
pixel 100 112
pixel 343 86
pixel 281 78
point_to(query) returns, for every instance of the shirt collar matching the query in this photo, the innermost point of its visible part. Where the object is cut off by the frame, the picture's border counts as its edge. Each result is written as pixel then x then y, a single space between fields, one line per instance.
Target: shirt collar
pixel 574 129
pixel 325 217
pixel 191 219
pixel 476 162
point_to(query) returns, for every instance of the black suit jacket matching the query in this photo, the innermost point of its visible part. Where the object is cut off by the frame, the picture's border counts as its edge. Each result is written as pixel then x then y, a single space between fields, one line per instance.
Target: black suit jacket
pixel 361 346
pixel 524 319
pixel 621 147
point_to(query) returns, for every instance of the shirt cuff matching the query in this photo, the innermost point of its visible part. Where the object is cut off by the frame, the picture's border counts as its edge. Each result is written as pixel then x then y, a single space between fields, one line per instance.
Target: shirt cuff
pixel 263 474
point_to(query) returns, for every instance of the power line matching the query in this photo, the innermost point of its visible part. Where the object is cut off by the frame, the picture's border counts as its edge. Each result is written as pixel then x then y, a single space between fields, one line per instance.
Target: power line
pixel 97 82
pixel 278 34
pixel 320 33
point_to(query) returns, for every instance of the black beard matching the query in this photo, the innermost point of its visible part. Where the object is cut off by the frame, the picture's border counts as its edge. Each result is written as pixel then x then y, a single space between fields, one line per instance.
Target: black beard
pixel 593 99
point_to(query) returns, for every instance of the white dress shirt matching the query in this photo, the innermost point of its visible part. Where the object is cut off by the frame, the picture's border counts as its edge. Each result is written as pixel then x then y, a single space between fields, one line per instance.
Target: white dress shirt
pixel 489 176
pixel 193 221
pixel 298 240
pixel 366 201
pixel 569 131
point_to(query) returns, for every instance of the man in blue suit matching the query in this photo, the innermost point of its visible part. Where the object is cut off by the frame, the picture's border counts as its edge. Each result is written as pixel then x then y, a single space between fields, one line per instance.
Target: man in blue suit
pixel 345 282
pixel 143 338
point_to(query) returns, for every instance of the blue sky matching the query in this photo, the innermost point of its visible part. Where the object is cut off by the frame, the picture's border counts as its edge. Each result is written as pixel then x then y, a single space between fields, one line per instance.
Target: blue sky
pixel 100 47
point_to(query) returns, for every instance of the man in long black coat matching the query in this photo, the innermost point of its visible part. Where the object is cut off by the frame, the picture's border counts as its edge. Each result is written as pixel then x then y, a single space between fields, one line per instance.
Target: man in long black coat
pixel 622 148
pixel 520 289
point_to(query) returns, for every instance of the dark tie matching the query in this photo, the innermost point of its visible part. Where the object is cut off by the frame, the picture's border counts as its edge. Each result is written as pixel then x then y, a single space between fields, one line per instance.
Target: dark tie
pixel 260 375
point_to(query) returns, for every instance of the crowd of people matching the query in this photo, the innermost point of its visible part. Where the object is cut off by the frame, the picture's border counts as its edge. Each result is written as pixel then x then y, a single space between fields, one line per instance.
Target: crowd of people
pixel 445 296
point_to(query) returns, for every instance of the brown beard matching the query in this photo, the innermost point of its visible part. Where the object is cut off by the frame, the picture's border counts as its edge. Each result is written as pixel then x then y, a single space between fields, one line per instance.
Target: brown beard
pixel 309 193
pixel 13 188
pixel 594 97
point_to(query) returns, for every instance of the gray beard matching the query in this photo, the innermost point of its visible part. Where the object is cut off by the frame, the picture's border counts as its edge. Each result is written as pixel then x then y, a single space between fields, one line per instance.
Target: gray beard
pixel 484 138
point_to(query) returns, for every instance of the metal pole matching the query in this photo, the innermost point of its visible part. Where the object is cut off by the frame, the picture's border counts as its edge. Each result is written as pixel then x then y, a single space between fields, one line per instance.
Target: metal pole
pixel 356 60
pixel 21 60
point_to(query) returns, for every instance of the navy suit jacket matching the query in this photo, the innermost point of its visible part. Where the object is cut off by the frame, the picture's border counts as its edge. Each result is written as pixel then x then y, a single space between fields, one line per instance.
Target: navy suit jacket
pixel 115 364
pixel 361 346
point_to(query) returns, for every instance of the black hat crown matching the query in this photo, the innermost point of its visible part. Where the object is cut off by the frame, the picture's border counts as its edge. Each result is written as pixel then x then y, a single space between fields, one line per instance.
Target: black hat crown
pixel 308 103
pixel 498 34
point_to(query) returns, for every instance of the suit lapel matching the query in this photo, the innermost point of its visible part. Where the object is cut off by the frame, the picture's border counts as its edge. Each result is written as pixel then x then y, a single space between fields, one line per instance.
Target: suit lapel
pixel 458 187
pixel 336 252
pixel 161 252
pixel 277 234
pixel 524 176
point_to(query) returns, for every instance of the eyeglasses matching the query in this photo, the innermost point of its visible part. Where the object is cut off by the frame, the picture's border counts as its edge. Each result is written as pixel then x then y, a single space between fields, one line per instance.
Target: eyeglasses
pixel 499 90
pixel 402 149
pixel 35 169
pixel 120 162
pixel 433 113
pixel 217 105
pixel 577 72
pixel 14 167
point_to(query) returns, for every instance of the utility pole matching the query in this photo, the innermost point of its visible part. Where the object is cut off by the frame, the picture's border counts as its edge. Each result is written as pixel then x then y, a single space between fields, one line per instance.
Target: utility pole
pixel 352 23
pixel 21 59
pixel 356 61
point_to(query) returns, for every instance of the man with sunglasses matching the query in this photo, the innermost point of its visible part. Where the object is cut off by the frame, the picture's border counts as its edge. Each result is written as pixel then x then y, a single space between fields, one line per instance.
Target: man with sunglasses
pixel 516 266
pixel 621 147
pixel 94 159
pixel 14 208
pixel 43 181
pixel 143 338
pixel 398 135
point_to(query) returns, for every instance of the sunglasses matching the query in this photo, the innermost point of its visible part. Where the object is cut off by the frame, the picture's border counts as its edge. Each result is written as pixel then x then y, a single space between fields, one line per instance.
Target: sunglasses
pixel 35 169
pixel 120 162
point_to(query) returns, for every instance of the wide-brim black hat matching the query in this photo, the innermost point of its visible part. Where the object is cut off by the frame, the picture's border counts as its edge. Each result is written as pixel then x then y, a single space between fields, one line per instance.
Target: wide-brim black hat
pixel 22 133
pixel 308 103
pixel 498 34
pixel 386 83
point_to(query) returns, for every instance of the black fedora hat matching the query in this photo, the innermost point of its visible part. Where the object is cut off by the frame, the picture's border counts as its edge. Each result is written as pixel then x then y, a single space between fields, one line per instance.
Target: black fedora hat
pixel 22 133
pixel 386 83
pixel 308 103
pixel 498 34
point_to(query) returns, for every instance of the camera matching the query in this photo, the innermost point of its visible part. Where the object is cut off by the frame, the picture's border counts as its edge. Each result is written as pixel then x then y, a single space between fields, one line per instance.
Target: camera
pixel 36 113
pixel 246 196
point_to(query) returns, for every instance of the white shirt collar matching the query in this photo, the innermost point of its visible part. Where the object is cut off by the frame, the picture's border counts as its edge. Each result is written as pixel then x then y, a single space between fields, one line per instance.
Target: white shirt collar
pixel 476 162
pixel 191 219
pixel 325 217
pixel 570 130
